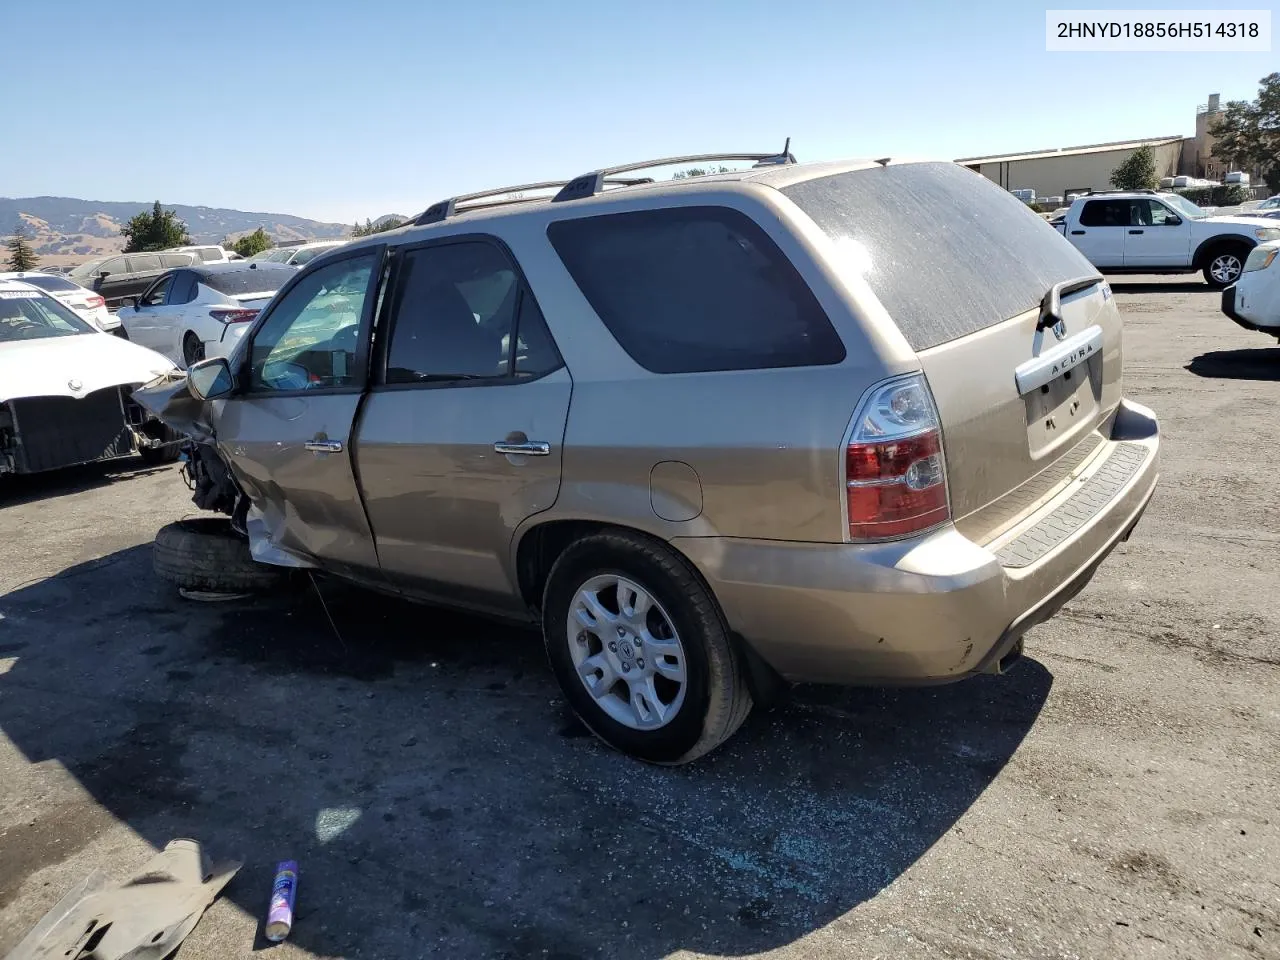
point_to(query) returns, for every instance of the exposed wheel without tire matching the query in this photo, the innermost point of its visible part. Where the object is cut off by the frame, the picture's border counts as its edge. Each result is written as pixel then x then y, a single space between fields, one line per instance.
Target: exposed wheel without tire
pixel 206 554
pixel 1224 265
pixel 641 649
pixel 170 439
pixel 192 349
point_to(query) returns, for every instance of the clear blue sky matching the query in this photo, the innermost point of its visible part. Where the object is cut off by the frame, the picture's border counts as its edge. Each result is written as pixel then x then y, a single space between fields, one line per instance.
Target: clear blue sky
pixel 337 109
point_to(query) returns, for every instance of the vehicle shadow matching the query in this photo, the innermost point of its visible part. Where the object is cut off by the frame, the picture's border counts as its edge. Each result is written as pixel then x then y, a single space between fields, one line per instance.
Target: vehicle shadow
pixel 30 487
pixel 1173 286
pixel 1248 364
pixel 422 769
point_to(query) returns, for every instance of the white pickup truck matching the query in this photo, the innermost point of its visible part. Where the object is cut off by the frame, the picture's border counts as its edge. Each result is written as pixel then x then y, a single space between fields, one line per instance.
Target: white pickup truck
pixel 1146 231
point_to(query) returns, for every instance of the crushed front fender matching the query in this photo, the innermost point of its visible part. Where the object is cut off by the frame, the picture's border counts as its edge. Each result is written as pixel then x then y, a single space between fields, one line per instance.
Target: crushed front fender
pixel 168 399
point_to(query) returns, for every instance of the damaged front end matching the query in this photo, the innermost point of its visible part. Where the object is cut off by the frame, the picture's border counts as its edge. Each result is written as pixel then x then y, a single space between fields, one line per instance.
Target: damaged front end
pixel 212 485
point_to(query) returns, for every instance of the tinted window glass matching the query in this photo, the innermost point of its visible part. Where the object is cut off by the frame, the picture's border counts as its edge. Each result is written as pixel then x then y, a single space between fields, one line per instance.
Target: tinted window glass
pixel 175 259
pixel 29 315
pixel 115 265
pixel 52 284
pixel 311 339
pixel 696 288
pixel 453 314
pixel 184 287
pixel 1105 213
pixel 536 353
pixel 256 279
pixel 143 262
pixel 945 250
pixel 208 255
pixel 155 294
pixel 1152 213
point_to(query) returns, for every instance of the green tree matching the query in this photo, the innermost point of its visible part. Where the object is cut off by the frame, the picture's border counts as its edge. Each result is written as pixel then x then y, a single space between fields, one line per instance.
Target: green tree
pixel 699 172
pixel 1248 131
pixel 21 257
pixel 1138 172
pixel 157 229
pixel 252 243
pixel 382 226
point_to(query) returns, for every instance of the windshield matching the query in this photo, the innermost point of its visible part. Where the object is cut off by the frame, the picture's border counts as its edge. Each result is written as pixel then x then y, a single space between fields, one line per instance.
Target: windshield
pixel 30 315
pixel 1184 206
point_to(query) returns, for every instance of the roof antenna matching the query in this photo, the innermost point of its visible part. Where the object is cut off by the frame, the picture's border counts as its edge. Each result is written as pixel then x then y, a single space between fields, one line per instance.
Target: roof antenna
pixel 884 161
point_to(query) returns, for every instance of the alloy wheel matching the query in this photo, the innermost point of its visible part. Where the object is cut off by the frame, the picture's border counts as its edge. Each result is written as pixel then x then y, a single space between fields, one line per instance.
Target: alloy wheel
pixel 1225 268
pixel 626 652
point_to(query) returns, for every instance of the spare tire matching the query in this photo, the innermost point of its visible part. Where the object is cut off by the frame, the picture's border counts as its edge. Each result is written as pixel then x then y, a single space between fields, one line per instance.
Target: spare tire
pixel 206 554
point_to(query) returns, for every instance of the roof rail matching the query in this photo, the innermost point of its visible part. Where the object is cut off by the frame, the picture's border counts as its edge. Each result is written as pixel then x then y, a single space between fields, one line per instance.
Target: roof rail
pixel 448 208
pixel 590 184
pixel 1096 193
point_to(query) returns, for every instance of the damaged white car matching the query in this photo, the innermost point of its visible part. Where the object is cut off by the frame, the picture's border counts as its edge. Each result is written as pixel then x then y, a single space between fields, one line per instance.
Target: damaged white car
pixel 65 389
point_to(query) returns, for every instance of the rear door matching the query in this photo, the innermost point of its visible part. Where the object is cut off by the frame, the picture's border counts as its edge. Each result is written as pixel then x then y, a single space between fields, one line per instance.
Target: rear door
pixel 962 267
pixel 287 434
pixel 461 438
pixel 1101 231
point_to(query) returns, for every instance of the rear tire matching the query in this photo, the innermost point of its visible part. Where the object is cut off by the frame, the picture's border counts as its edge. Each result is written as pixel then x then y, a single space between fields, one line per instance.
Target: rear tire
pixel 205 554
pixel 630 702
pixel 1224 265
pixel 192 349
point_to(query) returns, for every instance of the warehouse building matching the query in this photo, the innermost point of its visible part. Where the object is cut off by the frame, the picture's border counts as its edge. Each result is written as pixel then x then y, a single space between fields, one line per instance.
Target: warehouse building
pixel 1056 173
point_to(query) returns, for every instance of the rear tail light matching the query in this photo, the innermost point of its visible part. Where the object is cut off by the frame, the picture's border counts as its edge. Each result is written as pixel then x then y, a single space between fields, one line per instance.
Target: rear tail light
pixel 94 302
pixel 895 476
pixel 232 314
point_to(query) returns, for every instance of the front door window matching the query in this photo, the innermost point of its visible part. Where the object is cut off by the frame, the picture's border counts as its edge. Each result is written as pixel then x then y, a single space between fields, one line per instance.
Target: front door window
pixel 311 339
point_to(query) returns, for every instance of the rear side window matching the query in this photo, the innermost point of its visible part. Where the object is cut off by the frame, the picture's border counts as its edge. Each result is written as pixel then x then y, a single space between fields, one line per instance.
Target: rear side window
pixel 175 259
pixel 946 251
pixel 1106 213
pixel 143 262
pixel 208 255
pixel 691 289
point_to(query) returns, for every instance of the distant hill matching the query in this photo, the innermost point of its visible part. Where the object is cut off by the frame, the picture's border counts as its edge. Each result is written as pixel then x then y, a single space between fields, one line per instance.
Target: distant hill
pixel 65 229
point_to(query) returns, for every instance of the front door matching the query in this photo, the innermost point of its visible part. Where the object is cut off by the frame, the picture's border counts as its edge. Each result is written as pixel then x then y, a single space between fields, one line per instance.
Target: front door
pixel 146 322
pixel 287 435
pixel 460 439
pixel 1100 233
pixel 1158 238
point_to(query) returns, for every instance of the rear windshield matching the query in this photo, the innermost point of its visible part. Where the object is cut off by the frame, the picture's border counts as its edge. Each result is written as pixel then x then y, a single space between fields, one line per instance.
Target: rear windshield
pixel 696 289
pixel 249 280
pixel 946 251
pixel 52 284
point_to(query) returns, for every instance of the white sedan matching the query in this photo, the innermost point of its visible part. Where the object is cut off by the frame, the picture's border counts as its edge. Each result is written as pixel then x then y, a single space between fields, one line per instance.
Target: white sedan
pixel 1253 301
pixel 85 303
pixel 195 312
pixel 66 389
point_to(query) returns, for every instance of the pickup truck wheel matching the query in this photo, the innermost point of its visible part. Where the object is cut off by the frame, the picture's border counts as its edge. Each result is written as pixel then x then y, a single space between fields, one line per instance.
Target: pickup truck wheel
pixel 1223 266
pixel 641 649
pixel 205 554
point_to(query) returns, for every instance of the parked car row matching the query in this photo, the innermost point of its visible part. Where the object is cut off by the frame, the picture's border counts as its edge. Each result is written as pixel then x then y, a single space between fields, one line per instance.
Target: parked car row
pixel 297 256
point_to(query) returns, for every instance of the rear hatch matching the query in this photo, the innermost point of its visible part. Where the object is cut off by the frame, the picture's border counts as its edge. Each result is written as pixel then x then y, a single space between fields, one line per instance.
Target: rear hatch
pixel 963 268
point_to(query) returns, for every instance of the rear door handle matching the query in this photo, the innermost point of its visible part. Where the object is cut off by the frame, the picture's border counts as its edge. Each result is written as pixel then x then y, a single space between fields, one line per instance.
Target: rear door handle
pixel 1135 231
pixel 1077 233
pixel 526 448
pixel 324 446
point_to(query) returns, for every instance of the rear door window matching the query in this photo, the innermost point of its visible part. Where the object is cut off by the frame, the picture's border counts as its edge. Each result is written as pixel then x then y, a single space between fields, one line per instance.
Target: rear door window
pixel 691 289
pixel 144 263
pixel 175 259
pixel 1107 213
pixel 946 251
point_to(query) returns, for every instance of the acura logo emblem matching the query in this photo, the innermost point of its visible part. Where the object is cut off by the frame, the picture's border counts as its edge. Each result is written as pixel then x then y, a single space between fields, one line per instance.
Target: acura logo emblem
pixel 74 384
pixel 1060 329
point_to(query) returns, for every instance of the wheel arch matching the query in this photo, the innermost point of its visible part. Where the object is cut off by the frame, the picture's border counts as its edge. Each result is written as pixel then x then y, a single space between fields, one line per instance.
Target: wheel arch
pixel 541 544
pixel 1209 247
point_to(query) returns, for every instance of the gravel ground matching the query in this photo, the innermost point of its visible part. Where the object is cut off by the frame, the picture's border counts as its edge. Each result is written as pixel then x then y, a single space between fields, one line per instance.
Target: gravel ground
pixel 1115 796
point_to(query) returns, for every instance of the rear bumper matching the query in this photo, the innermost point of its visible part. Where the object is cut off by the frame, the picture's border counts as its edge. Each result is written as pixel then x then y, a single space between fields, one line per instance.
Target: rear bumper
pixel 938 608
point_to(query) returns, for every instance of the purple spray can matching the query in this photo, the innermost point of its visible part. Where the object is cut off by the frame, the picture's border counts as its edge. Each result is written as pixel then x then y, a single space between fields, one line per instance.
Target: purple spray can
pixel 284 891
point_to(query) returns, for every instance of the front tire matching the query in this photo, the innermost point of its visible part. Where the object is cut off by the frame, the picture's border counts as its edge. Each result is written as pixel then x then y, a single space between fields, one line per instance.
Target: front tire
pixel 641 649
pixel 205 554
pixel 1224 265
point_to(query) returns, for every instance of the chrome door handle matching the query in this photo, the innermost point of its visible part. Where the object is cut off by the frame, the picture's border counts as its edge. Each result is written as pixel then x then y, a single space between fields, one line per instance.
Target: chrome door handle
pixel 324 446
pixel 526 448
